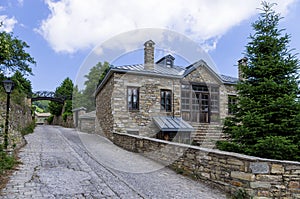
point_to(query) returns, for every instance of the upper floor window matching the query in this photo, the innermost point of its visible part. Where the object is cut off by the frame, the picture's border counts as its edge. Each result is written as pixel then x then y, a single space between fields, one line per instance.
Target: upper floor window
pixel 133 98
pixel 166 100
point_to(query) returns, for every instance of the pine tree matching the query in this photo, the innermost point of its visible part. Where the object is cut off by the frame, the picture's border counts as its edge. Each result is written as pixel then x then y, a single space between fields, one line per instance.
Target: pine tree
pixel 267 121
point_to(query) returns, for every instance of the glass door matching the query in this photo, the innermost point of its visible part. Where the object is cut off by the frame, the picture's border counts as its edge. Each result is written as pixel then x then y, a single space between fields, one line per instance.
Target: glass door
pixel 200 107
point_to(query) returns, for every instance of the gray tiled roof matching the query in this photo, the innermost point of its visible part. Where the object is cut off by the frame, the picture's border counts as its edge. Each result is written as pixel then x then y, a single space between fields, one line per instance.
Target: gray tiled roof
pixel 229 79
pixel 174 71
pixel 167 123
pixel 158 69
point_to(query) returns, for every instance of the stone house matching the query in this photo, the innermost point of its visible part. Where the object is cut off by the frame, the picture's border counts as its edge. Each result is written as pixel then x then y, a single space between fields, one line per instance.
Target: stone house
pixel 41 118
pixel 162 100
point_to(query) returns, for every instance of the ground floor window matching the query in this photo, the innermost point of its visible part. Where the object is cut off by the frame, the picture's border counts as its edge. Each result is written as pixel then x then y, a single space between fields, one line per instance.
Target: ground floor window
pixel 200 103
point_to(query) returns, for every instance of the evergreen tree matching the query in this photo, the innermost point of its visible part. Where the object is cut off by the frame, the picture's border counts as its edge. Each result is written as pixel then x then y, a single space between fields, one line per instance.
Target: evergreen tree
pixel 94 77
pixel 267 121
pixel 64 90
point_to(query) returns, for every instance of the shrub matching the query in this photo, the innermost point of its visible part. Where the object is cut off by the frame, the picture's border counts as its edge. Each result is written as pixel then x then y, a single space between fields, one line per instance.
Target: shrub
pixel 7 162
pixel 50 119
pixel 28 129
pixel 65 115
pixel 277 147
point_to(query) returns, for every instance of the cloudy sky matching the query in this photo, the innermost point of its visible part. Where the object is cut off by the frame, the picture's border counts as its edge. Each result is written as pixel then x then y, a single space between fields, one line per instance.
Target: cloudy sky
pixel 62 33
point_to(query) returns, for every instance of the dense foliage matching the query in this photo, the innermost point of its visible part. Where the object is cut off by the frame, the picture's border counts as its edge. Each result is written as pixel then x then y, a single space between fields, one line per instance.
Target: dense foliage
pixel 21 84
pixel 13 56
pixel 86 97
pixel 66 90
pixel 267 119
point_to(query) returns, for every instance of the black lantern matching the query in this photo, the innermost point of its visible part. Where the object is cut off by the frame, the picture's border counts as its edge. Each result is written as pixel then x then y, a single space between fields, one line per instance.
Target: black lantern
pixel 8 86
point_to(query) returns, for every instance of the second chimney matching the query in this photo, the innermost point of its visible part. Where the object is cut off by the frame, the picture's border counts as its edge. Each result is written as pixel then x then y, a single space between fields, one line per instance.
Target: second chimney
pixel 242 63
pixel 149 55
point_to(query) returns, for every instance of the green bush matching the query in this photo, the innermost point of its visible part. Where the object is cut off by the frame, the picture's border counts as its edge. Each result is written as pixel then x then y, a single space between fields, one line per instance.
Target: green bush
pixel 65 115
pixel 50 119
pixel 277 147
pixel 229 146
pixel 6 162
pixel 28 129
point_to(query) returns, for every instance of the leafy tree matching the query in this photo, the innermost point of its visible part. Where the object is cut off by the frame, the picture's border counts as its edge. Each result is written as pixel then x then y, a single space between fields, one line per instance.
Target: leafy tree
pixel 13 56
pixel 21 84
pixel 66 90
pixel 267 121
pixel 94 77
pixel 78 98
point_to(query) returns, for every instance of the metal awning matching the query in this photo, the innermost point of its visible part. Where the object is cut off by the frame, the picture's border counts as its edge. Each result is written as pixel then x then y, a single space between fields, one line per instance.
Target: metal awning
pixel 166 123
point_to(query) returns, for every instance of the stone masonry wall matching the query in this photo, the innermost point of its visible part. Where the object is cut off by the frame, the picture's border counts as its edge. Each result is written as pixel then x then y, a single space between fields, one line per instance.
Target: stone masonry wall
pixel 149 102
pixel 261 178
pixel 19 118
pixel 87 125
pixel 111 103
pixel 104 110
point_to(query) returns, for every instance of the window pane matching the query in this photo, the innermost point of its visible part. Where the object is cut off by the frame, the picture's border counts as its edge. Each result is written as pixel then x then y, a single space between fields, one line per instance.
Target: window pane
pixel 133 98
pixel 166 100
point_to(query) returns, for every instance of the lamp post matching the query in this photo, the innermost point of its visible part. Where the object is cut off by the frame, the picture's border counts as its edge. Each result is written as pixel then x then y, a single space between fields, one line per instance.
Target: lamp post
pixel 8 86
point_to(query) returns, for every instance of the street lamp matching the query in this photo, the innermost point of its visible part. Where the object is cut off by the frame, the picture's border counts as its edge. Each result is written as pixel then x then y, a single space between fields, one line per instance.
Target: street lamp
pixel 8 86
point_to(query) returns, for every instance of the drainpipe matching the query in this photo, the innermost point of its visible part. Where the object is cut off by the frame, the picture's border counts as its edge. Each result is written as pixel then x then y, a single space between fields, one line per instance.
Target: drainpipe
pixel 173 100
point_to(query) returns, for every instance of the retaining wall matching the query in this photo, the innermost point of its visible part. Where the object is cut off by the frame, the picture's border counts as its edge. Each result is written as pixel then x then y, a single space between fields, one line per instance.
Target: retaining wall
pixel 19 118
pixel 261 178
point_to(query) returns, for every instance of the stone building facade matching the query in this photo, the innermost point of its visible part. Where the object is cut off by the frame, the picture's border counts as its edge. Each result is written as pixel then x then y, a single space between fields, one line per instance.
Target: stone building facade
pixel 133 98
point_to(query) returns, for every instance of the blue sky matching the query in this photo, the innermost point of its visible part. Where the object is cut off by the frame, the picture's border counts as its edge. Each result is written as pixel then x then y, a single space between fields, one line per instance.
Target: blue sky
pixel 63 33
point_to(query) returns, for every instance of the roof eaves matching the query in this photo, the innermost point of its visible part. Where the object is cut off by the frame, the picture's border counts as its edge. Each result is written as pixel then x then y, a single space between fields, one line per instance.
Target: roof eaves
pixel 107 76
pixel 148 73
pixel 193 67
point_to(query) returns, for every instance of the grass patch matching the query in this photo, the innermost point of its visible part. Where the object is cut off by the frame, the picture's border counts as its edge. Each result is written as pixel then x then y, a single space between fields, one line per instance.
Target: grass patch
pixel 7 162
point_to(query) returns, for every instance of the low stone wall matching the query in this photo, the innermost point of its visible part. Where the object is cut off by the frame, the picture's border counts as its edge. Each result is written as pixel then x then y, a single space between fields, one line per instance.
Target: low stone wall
pixel 229 171
pixel 68 123
pixel 87 125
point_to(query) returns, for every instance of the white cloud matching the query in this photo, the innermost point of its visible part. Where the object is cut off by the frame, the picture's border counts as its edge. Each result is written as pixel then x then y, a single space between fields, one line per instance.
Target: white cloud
pixel 7 23
pixel 75 24
pixel 20 2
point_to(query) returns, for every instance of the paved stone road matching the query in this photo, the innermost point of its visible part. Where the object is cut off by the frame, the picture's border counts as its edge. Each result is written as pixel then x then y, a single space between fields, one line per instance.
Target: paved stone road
pixel 63 163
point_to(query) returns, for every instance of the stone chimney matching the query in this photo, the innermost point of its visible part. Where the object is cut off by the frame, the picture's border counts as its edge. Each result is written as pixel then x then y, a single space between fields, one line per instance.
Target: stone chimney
pixel 149 55
pixel 242 63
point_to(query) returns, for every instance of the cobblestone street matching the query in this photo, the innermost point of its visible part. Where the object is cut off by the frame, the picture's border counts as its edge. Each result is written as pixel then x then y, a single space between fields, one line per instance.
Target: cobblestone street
pixel 64 163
